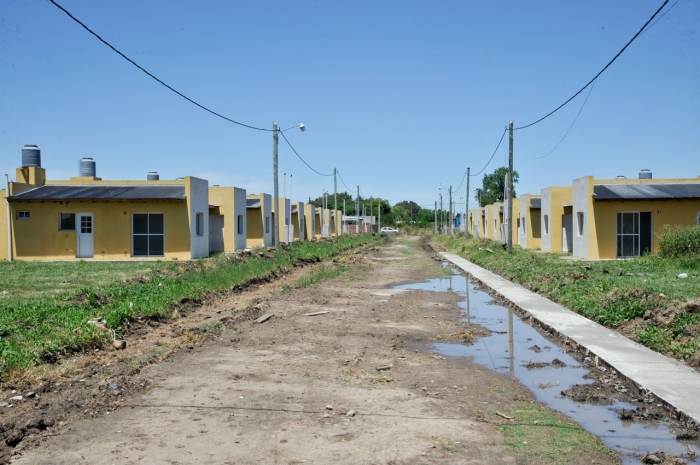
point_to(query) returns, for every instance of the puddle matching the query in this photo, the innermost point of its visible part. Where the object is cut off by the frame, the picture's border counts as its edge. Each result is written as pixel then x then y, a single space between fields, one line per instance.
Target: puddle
pixel 504 354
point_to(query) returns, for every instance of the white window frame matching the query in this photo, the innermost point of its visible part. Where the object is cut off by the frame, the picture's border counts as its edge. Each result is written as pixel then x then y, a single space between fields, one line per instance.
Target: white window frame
pixel 546 224
pixel 199 224
pixel 638 234
pixel 60 222
pixel 23 215
pixel 580 222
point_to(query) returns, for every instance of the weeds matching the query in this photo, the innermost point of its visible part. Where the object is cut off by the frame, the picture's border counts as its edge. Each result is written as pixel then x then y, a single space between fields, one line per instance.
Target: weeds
pixel 36 330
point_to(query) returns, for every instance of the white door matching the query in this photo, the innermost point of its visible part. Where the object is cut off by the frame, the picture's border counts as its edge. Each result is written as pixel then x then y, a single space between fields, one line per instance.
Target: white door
pixel 85 230
pixel 567 233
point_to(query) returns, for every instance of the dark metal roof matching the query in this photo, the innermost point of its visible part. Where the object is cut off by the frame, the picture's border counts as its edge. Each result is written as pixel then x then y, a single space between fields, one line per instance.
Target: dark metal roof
pixel 643 191
pixel 91 192
pixel 252 203
pixel 535 203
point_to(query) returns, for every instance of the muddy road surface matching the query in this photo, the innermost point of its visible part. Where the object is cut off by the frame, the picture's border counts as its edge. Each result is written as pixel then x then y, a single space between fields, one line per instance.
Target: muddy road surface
pixel 356 383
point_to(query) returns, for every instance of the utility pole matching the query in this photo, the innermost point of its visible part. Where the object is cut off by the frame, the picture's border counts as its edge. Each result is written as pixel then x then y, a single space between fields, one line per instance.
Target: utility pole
pixel 379 213
pixel 276 200
pixel 510 188
pixel 451 219
pixel 466 213
pixel 335 201
pixel 357 208
pixel 442 213
pixel 435 212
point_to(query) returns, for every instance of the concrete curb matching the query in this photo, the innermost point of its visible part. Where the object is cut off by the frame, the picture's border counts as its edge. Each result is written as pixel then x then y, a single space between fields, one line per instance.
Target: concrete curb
pixel 669 380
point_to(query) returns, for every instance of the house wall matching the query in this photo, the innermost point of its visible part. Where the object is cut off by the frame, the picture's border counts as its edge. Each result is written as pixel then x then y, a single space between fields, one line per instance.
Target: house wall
pixel 232 203
pixel 317 220
pixel 284 208
pixel 39 237
pixel 498 218
pixel 530 233
pixel 673 212
pixel 553 201
pixel 310 220
pixel 256 236
pixel 197 197
pixel 299 222
pixel 3 225
pixel 585 244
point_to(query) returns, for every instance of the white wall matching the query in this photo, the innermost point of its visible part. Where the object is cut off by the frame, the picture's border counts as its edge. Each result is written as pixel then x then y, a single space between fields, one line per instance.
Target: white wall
pixel 266 206
pixel 198 203
pixel 546 196
pixel 239 208
pixel 581 198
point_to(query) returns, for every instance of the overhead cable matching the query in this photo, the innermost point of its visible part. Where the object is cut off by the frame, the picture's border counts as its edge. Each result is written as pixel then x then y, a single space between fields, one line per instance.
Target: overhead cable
pixel 297 154
pixel 152 76
pixel 572 125
pixel 494 154
pixel 600 72
pixel 341 180
pixel 462 181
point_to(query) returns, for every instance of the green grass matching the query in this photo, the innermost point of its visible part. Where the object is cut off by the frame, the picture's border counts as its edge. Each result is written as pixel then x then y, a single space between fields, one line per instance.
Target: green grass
pixel 316 276
pixel 601 290
pixel 40 328
pixel 539 433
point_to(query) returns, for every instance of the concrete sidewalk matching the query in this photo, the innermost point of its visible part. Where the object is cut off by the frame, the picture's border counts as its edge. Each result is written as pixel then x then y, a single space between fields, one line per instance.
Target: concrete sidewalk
pixel 668 379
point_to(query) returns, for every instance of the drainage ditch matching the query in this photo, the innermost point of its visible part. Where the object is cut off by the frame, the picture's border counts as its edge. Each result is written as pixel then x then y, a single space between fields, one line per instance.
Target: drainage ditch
pixel 628 419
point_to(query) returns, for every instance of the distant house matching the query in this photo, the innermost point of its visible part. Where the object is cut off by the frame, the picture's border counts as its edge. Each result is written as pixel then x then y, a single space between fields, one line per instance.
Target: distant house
pixel 86 217
pixel 557 219
pixel 259 222
pixel 227 219
pixel 298 221
pixel 530 227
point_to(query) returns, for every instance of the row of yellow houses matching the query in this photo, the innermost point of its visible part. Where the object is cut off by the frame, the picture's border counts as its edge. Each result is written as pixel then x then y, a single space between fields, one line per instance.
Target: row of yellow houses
pixel 594 218
pixel 87 217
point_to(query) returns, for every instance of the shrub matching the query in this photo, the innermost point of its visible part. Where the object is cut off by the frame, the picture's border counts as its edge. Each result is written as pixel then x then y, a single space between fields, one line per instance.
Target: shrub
pixel 679 241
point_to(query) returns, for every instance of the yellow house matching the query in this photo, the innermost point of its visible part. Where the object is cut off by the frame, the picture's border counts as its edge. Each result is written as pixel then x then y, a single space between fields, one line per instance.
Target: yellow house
pixel 338 223
pixel 321 227
pixel 227 219
pixel 89 218
pixel 619 218
pixel 557 220
pixel 310 220
pixel 529 226
pixel 298 221
pixel 259 220
pixel 497 221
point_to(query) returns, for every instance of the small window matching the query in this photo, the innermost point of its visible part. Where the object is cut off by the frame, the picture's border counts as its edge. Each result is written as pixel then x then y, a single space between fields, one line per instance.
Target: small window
pixel 495 225
pixel 239 224
pixel 67 222
pixel 546 224
pixel 518 223
pixel 22 215
pixel 579 221
pixel 267 225
pixel 200 224
pixel 524 226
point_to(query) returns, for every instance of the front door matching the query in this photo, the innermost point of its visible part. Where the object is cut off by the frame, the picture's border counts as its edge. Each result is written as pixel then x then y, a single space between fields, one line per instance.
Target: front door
pixel 85 227
pixel 567 233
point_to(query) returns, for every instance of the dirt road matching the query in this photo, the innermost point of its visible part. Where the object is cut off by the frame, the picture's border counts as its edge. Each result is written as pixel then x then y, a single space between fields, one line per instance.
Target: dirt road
pixel 356 385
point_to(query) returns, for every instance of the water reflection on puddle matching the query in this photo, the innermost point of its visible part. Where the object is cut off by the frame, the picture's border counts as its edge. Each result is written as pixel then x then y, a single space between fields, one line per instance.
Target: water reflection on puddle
pixel 508 355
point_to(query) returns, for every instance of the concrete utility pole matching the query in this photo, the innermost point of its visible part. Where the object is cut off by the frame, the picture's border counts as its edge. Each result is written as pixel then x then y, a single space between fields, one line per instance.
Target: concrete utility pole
pixel 451 219
pixel 510 188
pixel 466 213
pixel 435 212
pixel 276 200
pixel 357 208
pixel 442 213
pixel 335 201
pixel 379 213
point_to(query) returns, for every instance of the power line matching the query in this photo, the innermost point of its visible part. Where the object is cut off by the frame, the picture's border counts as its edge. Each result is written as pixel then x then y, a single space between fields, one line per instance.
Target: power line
pixel 297 154
pixel 572 124
pixel 660 17
pixel 151 75
pixel 462 181
pixel 341 180
pixel 494 154
pixel 600 72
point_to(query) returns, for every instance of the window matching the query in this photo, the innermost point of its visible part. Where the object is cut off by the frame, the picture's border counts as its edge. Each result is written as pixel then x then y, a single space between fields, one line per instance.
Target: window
pixel 23 215
pixel 67 222
pixel 627 234
pixel 148 234
pixel 518 224
pixel 267 225
pixel 579 221
pixel 239 224
pixel 495 226
pixel 524 226
pixel 199 226
pixel 546 224
pixel 86 224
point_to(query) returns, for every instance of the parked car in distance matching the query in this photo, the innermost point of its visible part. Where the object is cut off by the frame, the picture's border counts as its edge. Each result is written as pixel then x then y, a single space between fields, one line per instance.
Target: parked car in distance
pixel 389 231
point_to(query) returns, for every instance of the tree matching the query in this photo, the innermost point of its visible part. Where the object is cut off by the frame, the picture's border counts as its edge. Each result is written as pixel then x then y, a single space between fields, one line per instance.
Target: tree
pixel 349 201
pixel 493 187
pixel 411 207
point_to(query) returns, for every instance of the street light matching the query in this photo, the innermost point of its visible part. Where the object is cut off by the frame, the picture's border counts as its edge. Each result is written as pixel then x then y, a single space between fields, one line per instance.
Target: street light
pixel 275 143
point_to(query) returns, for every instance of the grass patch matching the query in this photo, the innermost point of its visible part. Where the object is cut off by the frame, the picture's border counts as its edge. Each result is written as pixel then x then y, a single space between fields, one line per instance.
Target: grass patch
pixel 42 328
pixel 641 297
pixel 538 433
pixel 316 276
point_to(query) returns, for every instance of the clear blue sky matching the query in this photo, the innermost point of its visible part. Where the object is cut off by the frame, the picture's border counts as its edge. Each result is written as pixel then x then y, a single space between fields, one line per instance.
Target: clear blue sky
pixel 400 96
